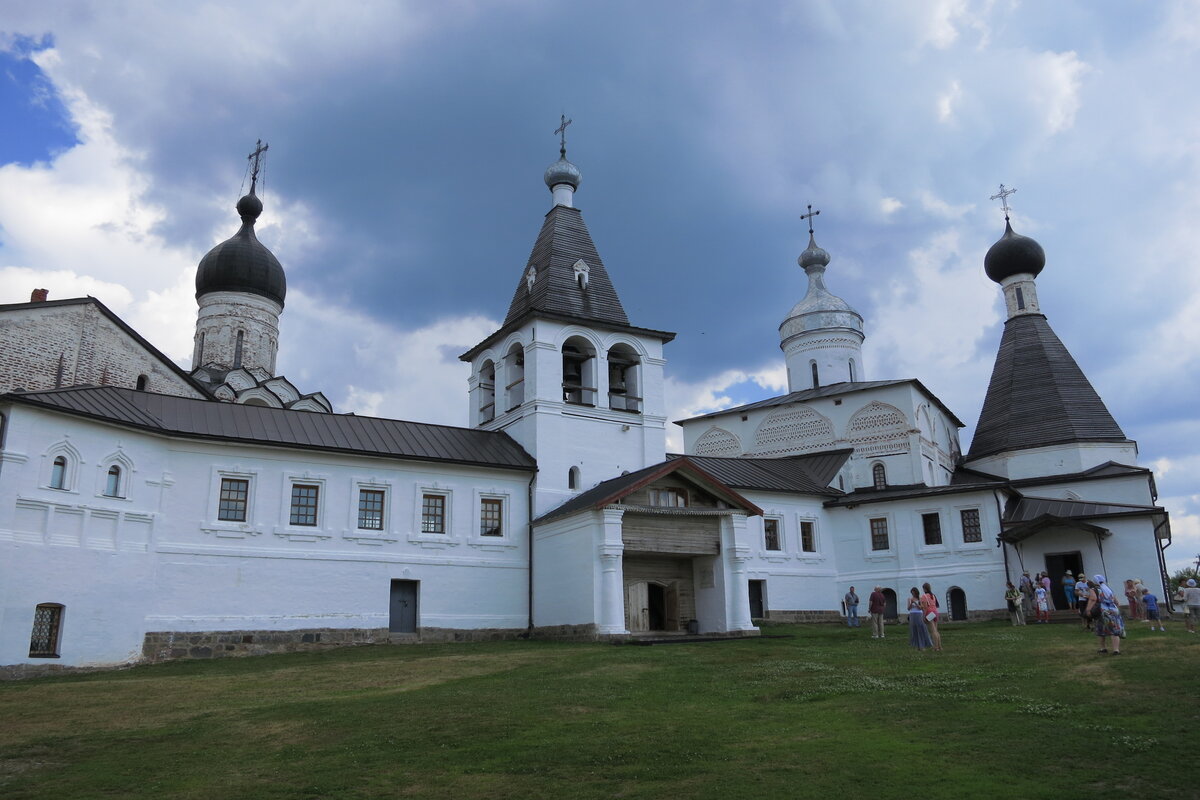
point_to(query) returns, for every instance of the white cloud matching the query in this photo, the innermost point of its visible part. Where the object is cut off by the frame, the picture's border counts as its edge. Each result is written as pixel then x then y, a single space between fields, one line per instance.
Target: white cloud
pixel 1055 82
pixel 940 208
pixel 947 101
pixel 890 205
pixel 713 393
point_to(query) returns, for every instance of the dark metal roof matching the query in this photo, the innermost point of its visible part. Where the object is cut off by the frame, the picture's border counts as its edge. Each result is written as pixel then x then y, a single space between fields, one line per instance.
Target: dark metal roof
pixel 612 490
pixel 346 433
pixel 909 491
pixel 563 240
pixel 832 390
pixel 120 323
pixel 1020 533
pixel 1025 509
pixel 242 263
pixel 807 474
pixel 1038 395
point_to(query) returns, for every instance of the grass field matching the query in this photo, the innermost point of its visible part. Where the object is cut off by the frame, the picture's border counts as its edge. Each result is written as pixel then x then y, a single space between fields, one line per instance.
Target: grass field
pixel 827 712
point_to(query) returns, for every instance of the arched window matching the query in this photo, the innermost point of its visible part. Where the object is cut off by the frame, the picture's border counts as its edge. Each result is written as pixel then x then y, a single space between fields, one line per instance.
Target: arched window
pixel 514 377
pixel 487 392
pixel 58 473
pixel 879 476
pixel 112 484
pixel 200 351
pixel 579 372
pixel 1020 299
pixel 853 378
pixel 573 478
pixel 237 351
pixel 142 382
pixel 816 378
pixel 624 391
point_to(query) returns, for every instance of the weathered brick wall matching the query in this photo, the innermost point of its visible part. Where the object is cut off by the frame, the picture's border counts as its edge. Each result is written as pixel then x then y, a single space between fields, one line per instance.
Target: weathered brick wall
pixel 805 616
pixel 172 645
pixel 92 349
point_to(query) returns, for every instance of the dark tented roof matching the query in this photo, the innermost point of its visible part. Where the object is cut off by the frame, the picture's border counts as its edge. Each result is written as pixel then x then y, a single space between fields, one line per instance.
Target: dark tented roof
pixel 1038 395
pixel 807 474
pixel 564 240
pixel 832 390
pixel 207 419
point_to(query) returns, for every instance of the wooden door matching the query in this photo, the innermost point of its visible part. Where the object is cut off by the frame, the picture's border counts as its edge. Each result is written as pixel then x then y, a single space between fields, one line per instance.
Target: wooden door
pixel 637 607
pixel 403 609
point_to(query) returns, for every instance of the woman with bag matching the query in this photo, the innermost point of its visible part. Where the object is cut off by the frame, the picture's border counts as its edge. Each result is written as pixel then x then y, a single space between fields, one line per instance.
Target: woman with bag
pixel 918 634
pixel 929 608
pixel 1106 615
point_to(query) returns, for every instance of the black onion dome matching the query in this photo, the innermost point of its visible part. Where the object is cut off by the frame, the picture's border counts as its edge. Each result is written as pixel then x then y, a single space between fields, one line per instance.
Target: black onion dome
pixel 1013 254
pixel 242 263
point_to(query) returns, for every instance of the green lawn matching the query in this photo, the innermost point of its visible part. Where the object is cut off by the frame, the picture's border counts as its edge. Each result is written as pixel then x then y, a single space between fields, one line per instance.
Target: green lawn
pixel 828 712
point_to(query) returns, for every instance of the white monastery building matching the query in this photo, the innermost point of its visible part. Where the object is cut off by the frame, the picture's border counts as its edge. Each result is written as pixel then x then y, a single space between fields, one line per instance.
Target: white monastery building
pixel 149 512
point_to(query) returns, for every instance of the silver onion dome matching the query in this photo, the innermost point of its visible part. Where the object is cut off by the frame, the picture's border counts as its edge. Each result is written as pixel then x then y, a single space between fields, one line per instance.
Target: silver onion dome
pixel 563 171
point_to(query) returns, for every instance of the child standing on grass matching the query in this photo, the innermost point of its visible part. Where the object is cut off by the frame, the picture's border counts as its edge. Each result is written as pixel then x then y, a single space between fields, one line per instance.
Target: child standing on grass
pixel 1150 603
pixel 1043 605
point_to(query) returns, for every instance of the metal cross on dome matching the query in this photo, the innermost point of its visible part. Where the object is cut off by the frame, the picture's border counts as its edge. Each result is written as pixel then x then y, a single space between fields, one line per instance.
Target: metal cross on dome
pixel 1002 196
pixel 809 217
pixel 561 130
pixel 255 158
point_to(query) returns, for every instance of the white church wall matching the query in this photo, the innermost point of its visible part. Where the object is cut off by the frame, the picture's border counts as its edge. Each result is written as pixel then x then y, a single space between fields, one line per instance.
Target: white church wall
pixel 565 565
pixel 1132 489
pixel 1065 459
pixel 797 579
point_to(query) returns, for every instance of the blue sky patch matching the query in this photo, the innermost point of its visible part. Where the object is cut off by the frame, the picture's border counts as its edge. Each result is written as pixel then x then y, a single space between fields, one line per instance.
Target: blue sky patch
pixel 34 123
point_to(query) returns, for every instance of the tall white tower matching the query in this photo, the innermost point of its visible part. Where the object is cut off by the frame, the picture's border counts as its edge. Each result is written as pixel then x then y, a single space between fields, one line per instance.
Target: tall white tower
pixel 566 375
pixel 822 336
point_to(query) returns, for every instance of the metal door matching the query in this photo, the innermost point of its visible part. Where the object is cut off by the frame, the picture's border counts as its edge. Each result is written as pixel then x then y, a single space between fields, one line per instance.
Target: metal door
pixel 403 611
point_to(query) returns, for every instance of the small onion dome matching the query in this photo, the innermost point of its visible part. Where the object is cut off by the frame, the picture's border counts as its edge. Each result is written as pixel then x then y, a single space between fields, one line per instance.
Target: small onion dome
pixel 813 255
pixel 1013 254
pixel 242 263
pixel 563 171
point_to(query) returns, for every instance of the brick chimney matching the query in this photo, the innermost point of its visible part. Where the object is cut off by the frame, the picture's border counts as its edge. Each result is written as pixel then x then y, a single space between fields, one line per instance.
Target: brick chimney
pixel 39 295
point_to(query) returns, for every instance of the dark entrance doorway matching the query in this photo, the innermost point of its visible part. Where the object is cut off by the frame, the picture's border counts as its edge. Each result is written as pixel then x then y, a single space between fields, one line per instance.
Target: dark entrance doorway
pixel 656 603
pixel 889 605
pixel 1057 565
pixel 757 611
pixel 403 609
pixel 958 603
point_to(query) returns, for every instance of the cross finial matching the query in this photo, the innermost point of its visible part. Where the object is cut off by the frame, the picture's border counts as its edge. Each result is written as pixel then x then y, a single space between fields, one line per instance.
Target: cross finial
pixel 1002 196
pixel 809 217
pixel 561 130
pixel 255 159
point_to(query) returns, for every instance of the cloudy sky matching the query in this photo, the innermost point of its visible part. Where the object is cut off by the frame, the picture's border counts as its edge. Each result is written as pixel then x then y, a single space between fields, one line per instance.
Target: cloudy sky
pixel 403 187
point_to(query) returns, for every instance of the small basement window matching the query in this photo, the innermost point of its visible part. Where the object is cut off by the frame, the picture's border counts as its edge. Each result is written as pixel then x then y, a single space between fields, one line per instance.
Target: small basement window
pixel 47 625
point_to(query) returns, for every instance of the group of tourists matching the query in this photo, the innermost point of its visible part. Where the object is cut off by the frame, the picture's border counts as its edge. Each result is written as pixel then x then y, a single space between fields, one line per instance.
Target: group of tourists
pixel 923 615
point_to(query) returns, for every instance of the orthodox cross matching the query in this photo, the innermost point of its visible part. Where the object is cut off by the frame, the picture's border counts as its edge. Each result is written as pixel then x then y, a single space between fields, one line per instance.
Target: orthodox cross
pixel 1002 196
pixel 255 162
pixel 809 217
pixel 561 130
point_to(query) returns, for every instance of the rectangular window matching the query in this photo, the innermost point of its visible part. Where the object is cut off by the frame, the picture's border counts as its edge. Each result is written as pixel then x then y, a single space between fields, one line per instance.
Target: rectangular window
pixel 433 513
pixel 972 532
pixel 808 541
pixel 879 534
pixel 771 534
pixel 47 619
pixel 932 523
pixel 235 493
pixel 304 504
pixel 670 498
pixel 491 515
pixel 370 509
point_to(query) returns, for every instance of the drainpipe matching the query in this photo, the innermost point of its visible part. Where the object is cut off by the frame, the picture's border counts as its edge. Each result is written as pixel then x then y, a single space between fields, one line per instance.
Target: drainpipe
pixel 529 513
pixel 1162 564
pixel 999 539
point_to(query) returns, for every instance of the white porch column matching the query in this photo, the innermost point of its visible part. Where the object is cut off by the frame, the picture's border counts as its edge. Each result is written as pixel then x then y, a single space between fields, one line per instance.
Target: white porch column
pixel 611 618
pixel 735 550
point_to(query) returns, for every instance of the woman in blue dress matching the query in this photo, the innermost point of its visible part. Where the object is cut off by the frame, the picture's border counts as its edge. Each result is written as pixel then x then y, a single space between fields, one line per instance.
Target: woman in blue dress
pixel 918 634
pixel 1109 623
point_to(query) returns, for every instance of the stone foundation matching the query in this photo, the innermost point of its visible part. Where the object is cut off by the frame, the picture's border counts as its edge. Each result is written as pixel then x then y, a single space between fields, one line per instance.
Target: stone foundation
pixel 807 616
pixel 173 645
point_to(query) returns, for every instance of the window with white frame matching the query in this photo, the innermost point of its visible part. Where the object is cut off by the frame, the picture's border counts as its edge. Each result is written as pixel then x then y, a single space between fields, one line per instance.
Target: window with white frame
pixel 305 504
pixel 931 524
pixel 58 473
pixel 234 499
pixel 491 516
pixel 879 476
pixel 972 531
pixel 879 534
pixel 771 538
pixel 433 513
pixel 808 536
pixel 370 509
pixel 112 482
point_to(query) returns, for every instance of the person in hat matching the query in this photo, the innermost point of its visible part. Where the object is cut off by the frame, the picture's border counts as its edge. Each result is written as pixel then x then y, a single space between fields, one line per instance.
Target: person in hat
pixel 1191 597
pixel 1109 625
pixel 1026 587
pixel 1081 599
pixel 1068 584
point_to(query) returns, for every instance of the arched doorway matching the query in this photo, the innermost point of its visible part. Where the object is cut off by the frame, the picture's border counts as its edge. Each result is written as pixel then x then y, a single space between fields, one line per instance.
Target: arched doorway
pixel 958 603
pixel 889 605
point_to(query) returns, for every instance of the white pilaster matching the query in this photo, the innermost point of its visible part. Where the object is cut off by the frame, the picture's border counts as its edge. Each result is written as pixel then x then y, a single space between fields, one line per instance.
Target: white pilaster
pixel 735 551
pixel 612 580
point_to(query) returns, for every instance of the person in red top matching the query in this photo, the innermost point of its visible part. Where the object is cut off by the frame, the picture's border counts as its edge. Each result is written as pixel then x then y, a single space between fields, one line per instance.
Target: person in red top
pixel 876 603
